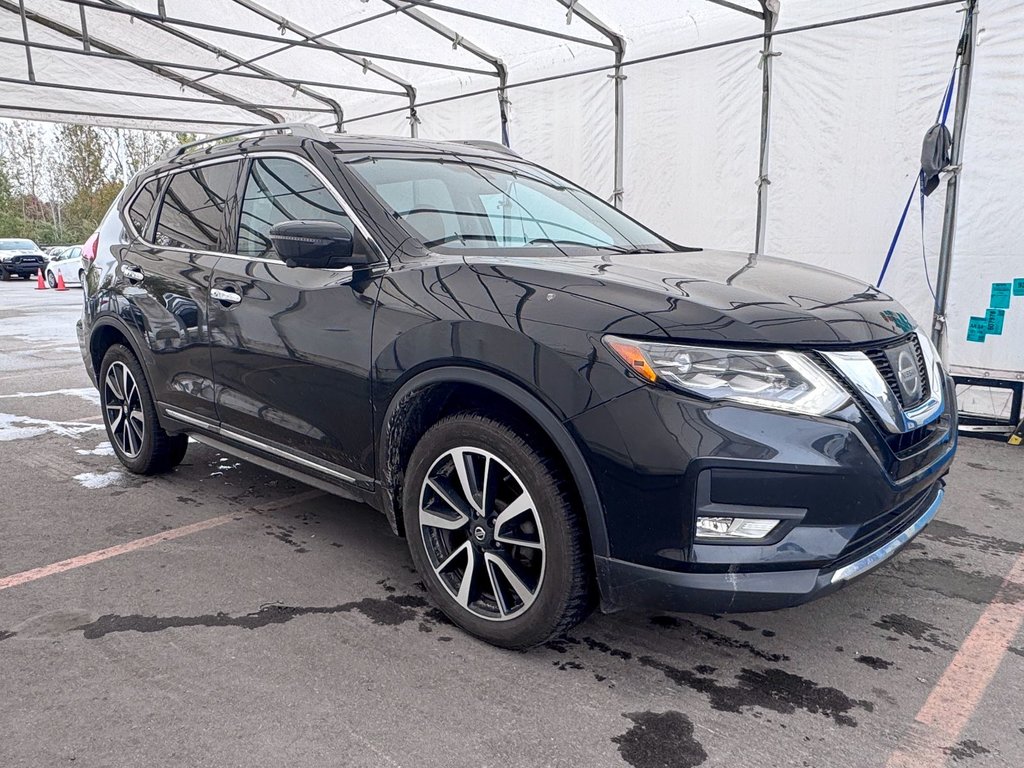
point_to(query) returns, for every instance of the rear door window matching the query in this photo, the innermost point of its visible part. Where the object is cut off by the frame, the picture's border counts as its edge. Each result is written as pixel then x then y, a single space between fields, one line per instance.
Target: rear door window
pixel 192 210
pixel 279 189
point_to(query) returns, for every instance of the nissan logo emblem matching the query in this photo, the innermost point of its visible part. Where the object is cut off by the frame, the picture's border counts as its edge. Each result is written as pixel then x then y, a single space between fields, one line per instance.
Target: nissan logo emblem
pixel 479 533
pixel 906 372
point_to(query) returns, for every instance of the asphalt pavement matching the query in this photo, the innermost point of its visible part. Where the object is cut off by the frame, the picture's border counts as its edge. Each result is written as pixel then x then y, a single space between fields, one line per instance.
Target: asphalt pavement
pixel 223 615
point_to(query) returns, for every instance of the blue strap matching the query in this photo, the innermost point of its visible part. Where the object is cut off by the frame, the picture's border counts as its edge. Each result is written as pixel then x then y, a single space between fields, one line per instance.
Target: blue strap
pixel 948 101
pixel 943 113
pixel 896 234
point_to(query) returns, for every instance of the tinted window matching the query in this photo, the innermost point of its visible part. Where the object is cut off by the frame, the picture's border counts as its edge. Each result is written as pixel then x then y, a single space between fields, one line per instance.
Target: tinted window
pixel 281 190
pixel 138 213
pixel 192 211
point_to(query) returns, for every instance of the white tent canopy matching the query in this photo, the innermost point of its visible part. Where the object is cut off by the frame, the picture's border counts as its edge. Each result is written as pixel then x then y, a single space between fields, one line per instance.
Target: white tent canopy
pixel 656 104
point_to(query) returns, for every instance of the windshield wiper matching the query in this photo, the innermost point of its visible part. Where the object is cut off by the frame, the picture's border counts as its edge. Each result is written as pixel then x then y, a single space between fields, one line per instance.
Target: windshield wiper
pixel 599 246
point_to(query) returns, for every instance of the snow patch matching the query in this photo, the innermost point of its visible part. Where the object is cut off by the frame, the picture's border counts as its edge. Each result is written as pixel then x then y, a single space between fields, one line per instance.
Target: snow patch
pixel 103 449
pixel 86 393
pixel 21 427
pixel 95 480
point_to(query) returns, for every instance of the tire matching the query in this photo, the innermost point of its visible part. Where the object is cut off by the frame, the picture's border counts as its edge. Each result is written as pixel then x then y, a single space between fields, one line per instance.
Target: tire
pixel 51 280
pixel 129 415
pixel 27 277
pixel 81 277
pixel 5 275
pixel 550 560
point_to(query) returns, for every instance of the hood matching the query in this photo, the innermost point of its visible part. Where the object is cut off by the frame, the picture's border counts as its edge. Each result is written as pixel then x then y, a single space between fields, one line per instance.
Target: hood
pixel 713 296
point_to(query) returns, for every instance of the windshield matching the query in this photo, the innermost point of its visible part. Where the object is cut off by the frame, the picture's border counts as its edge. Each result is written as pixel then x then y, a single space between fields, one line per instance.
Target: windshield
pixel 18 245
pixel 459 204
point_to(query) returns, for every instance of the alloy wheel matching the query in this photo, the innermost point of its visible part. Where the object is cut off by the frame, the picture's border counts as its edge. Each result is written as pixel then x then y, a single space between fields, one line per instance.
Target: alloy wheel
pixel 482 533
pixel 122 408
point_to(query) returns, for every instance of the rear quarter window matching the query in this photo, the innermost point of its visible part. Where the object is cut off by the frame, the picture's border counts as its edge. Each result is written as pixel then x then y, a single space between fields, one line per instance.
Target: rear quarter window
pixel 142 206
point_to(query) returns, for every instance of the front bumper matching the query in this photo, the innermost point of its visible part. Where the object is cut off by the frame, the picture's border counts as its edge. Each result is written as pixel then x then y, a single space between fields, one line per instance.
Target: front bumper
pixel 848 494
pixel 636 586
pixel 22 269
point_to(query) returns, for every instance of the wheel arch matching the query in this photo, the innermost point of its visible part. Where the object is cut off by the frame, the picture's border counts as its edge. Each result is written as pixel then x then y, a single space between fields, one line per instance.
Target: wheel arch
pixel 415 406
pixel 106 332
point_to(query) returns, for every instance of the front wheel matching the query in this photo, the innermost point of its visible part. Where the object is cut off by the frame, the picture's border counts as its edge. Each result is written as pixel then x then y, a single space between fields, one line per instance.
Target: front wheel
pixel 129 415
pixel 493 530
pixel 51 280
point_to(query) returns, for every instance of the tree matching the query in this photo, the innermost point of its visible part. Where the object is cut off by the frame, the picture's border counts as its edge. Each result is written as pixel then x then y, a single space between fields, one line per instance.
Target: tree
pixel 56 183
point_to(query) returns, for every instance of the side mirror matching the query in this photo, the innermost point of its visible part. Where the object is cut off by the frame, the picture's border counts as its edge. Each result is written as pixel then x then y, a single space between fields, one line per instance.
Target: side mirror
pixel 314 244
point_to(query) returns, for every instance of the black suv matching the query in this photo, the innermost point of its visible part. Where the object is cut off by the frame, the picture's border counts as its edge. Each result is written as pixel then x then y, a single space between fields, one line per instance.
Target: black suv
pixel 553 404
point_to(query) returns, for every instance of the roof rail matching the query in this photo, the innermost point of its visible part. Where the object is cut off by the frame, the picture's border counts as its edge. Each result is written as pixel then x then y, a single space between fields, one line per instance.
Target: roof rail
pixel 302 130
pixel 492 145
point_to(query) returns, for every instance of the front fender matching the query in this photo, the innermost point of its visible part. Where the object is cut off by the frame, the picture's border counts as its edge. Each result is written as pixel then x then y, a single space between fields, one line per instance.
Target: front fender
pixel 541 413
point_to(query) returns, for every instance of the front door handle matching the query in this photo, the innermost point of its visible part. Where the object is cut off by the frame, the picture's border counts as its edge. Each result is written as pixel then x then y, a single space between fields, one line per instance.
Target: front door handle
pixel 133 273
pixel 225 297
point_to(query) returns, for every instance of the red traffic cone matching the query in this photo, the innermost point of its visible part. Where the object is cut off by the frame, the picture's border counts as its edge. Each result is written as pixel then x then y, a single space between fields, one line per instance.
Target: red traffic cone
pixel 40 283
pixel 60 282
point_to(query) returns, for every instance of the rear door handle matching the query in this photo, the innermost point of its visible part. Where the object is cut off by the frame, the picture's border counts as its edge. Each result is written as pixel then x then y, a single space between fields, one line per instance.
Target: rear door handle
pixel 225 297
pixel 132 272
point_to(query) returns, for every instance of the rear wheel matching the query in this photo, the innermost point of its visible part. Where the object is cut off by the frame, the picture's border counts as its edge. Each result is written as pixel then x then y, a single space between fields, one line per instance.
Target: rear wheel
pixel 494 532
pixel 129 414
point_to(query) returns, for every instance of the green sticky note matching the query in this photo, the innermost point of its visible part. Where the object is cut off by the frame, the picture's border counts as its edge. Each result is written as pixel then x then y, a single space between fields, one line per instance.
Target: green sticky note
pixel 976 329
pixel 1018 286
pixel 994 321
pixel 1000 295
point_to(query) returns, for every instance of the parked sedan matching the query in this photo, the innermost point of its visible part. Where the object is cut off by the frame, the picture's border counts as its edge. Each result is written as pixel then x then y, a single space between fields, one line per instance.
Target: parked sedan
pixel 19 257
pixel 67 264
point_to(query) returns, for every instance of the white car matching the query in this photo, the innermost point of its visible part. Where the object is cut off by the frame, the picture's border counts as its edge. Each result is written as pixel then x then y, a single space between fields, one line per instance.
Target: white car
pixel 68 264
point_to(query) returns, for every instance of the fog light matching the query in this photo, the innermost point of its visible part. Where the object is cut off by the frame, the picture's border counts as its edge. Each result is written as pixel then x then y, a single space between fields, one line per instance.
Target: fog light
pixel 734 527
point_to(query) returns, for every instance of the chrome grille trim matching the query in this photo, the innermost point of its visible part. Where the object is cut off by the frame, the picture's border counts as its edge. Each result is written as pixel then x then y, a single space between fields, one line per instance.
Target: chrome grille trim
pixel 864 376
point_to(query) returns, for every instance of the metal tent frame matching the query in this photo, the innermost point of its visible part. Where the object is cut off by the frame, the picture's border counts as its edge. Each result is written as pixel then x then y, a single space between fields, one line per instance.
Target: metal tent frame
pixel 391 84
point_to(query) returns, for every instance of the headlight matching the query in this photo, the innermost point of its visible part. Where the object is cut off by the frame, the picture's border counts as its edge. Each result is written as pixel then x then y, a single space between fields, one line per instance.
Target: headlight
pixel 783 380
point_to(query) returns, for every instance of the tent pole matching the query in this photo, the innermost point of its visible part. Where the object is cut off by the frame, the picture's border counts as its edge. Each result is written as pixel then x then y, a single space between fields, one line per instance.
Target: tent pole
pixel 28 48
pixel 617 43
pixel 620 118
pixel 771 16
pixel 963 92
pixel 503 103
pixel 105 49
pixel 85 28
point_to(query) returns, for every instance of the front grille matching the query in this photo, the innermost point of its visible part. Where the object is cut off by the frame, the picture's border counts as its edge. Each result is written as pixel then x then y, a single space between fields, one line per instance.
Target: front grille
pixel 881 360
pixel 879 530
pixel 906 443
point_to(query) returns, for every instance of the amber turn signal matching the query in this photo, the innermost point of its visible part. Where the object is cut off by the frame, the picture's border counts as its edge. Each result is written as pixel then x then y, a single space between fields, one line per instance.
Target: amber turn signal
pixel 633 357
